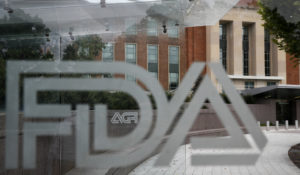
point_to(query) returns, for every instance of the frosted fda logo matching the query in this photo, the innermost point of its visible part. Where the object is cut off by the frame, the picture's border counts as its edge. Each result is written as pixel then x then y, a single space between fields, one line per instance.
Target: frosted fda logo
pixel 117 148
pixel 125 118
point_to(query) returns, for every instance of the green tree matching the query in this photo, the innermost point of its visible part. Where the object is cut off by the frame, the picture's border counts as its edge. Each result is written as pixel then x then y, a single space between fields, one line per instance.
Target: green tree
pixel 282 20
pixel 21 38
pixel 84 48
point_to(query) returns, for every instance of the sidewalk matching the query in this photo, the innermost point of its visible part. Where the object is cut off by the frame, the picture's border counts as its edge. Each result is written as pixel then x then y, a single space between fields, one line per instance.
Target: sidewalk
pixel 273 161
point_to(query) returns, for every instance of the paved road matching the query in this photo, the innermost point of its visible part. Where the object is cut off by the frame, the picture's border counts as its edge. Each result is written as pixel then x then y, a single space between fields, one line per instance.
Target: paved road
pixel 274 160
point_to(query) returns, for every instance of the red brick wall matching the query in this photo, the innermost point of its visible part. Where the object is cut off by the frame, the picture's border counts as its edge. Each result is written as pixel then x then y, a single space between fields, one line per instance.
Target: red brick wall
pixel 192 43
pixel 163 41
pixel 196 44
pixel 119 52
pixel 292 72
pixel 163 67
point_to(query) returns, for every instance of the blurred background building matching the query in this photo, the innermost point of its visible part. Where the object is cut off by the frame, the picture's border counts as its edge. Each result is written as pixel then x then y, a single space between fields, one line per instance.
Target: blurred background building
pixel 239 42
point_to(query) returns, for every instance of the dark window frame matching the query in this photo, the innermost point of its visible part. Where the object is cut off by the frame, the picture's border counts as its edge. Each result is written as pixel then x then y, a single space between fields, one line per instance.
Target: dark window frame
pixel 267 54
pixel 223 45
pixel 271 83
pixel 245 50
pixel 152 66
pixel 249 84
pixel 173 68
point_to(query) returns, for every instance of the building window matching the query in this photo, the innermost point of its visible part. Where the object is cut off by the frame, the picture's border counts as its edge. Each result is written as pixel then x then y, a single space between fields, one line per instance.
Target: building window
pixel 173 80
pixel 267 54
pixel 130 57
pixel 130 26
pixel 152 57
pixel 173 31
pixel 173 67
pixel 108 53
pixel 152 27
pixel 246 50
pixel 271 83
pixel 130 53
pixel 108 56
pixel 223 45
pixel 130 77
pixel 249 85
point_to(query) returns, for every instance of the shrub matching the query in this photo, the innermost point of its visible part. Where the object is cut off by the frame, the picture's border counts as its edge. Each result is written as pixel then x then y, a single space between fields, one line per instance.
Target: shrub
pixel 225 98
pixel 113 100
pixel 249 99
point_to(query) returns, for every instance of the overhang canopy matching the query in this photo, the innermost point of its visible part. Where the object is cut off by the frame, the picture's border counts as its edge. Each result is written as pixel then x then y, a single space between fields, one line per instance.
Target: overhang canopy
pixel 289 92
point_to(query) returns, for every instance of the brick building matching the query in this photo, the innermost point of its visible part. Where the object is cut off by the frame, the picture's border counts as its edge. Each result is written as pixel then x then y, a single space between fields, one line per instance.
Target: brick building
pixel 163 54
pixel 238 41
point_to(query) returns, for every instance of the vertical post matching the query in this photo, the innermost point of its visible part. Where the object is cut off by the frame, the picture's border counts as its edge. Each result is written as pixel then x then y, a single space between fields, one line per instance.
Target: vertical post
pixel 268 125
pixel 296 124
pixel 277 125
pixel 286 124
pixel 258 123
pixel 103 3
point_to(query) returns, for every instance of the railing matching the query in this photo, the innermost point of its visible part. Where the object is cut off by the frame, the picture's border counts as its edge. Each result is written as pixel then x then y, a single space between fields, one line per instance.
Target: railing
pixel 277 126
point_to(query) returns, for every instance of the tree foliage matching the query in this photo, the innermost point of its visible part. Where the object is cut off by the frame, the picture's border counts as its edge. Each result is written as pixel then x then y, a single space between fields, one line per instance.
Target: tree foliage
pixel 84 48
pixel 282 20
pixel 21 38
pixel 113 100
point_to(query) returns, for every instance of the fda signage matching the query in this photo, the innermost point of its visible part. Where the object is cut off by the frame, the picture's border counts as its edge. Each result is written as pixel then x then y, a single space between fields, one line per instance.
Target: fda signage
pixel 116 152
pixel 125 118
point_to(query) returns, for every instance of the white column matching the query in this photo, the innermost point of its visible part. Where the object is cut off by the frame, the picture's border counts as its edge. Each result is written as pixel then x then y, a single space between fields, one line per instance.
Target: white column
pixel 277 125
pixel 235 56
pixel 213 49
pixel 268 125
pixel 286 124
pixel 281 61
pixel 257 61
pixel 298 109
pixel 213 43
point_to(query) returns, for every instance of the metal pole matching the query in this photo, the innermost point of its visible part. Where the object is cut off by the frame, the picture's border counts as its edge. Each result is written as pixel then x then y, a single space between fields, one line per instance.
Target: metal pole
pixel 103 3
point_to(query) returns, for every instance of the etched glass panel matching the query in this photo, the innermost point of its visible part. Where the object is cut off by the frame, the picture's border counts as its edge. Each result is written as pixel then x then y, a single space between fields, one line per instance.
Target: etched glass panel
pixel 135 87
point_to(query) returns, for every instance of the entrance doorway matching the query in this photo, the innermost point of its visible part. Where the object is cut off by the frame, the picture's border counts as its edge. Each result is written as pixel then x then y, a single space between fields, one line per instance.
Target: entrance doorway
pixel 285 110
